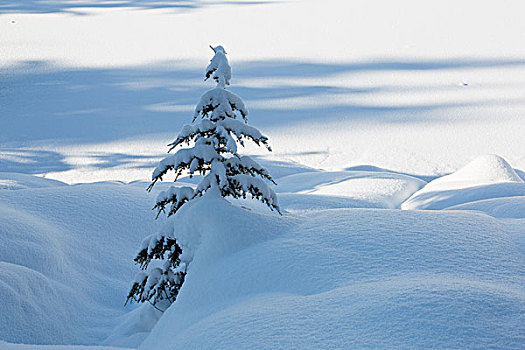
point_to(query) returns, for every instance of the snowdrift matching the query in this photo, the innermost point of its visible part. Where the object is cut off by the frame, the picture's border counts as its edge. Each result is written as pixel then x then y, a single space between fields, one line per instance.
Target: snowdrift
pixel 80 104
pixel 508 207
pixel 484 170
pixel 344 278
pixel 486 177
pixel 15 181
pixel 11 346
pixel 339 269
pixel 346 189
pixel 59 263
pixel 66 258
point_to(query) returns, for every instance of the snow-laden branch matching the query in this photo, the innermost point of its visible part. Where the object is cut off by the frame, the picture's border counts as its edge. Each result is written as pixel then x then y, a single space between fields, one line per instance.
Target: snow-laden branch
pixel 242 130
pixel 246 165
pixel 257 188
pixel 187 158
pixel 206 128
pixel 218 103
pixel 163 272
pixel 177 196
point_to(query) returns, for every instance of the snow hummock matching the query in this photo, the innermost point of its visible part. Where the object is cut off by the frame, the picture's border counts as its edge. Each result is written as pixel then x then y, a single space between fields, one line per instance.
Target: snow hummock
pixel 421 90
pixel 11 346
pixel 484 170
pixel 486 177
pixel 343 278
pixel 16 181
pixel 328 273
pixel 66 259
pixel 350 189
pixel 506 207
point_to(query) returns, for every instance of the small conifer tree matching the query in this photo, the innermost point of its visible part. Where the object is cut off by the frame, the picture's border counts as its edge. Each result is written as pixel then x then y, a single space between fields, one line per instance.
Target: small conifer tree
pixel 213 154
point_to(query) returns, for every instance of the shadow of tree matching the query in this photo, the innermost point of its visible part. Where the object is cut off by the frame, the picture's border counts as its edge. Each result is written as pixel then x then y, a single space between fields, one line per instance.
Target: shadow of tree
pixel 94 105
pixel 76 7
pixel 31 161
pixel 111 160
pixel 44 104
pixel 425 178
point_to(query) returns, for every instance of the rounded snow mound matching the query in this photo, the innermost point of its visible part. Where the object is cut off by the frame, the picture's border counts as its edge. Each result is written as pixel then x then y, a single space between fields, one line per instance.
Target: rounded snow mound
pixel 483 170
pixel 507 207
pixel 486 177
pixel 345 278
pixel 32 242
pixel 360 189
pixel 11 346
pixel 13 181
pixel 66 259
pixel 211 227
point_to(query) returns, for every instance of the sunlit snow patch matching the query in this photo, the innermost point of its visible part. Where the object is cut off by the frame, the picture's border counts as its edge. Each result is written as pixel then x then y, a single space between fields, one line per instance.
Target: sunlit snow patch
pixel 14 181
pixel 486 177
pixel 66 258
pixel 346 189
pixel 344 278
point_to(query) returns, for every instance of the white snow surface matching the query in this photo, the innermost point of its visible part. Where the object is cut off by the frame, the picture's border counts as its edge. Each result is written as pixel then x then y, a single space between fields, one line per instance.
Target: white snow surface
pixel 356 189
pixel 369 106
pixel 416 88
pixel 484 178
pixel 15 181
pixel 506 207
pixel 346 278
pixel 484 170
pixel 11 346
pixel 64 266
pixel 326 273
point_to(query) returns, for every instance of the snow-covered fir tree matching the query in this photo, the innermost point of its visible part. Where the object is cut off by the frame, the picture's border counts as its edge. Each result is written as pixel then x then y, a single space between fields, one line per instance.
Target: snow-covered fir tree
pixel 219 125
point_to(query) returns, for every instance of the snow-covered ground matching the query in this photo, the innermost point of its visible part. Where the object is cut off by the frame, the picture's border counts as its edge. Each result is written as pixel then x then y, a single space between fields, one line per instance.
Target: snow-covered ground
pixel 398 137
pixel 336 270
pixel 96 92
